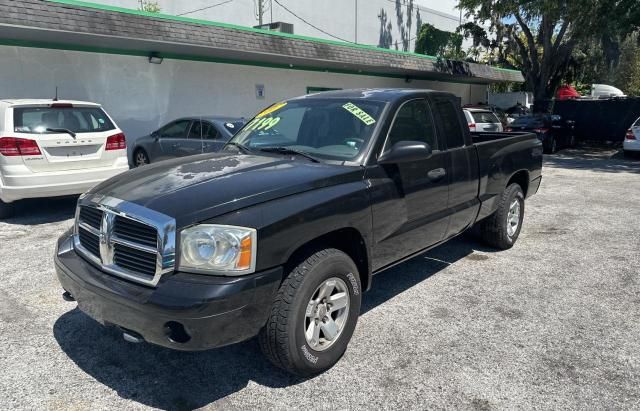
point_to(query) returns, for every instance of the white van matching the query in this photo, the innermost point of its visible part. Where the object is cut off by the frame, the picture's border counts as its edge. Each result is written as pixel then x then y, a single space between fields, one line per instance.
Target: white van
pixel 55 148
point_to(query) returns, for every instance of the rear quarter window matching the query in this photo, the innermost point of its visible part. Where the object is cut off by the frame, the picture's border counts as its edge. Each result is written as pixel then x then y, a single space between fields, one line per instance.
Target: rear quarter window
pixel 450 122
pixel 76 119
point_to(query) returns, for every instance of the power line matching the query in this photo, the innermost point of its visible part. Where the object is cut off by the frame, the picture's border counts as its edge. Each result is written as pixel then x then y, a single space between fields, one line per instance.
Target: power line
pixel 205 8
pixel 315 27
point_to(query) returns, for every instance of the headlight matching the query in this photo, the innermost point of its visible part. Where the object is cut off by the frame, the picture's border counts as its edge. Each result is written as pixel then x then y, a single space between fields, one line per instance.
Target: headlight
pixel 218 249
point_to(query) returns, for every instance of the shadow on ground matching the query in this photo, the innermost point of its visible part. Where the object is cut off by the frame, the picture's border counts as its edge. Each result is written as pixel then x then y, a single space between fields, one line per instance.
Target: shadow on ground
pixel 594 158
pixel 174 380
pixel 43 210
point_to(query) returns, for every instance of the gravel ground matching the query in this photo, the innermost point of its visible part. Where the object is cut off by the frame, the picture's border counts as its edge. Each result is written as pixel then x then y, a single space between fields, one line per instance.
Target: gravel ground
pixel 552 323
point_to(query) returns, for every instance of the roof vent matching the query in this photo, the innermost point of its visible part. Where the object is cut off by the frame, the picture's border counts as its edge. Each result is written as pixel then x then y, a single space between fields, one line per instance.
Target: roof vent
pixel 277 26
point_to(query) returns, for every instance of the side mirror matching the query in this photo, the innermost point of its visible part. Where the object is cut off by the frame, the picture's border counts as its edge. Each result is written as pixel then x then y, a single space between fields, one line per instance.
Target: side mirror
pixel 155 134
pixel 406 151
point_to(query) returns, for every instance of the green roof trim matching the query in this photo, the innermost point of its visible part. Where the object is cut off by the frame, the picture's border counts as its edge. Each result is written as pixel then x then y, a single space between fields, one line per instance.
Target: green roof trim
pixel 186 57
pixel 87 4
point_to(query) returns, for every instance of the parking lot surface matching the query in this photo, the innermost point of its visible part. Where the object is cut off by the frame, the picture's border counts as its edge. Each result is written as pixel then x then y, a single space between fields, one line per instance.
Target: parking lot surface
pixel 552 323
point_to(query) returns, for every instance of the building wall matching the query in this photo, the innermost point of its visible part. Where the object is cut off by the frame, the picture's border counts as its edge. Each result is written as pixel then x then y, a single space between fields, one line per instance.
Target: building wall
pixel 141 96
pixel 336 17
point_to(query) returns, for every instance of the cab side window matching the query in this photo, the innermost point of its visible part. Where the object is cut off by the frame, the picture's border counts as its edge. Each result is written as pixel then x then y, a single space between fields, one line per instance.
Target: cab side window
pixel 209 131
pixel 413 122
pixel 451 128
pixel 177 129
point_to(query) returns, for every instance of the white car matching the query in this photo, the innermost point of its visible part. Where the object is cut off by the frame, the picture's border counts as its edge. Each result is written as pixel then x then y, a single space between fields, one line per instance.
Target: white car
pixel 482 120
pixel 54 148
pixel 632 139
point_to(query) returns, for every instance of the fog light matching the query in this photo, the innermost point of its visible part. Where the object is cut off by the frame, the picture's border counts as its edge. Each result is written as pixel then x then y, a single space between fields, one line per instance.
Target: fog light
pixel 176 332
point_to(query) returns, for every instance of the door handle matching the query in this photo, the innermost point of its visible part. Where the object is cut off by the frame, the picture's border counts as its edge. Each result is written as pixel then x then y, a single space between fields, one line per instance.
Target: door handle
pixel 176 145
pixel 437 174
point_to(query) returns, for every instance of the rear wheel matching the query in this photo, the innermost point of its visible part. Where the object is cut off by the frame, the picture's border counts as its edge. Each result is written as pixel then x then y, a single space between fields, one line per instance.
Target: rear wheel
pixel 552 146
pixel 314 314
pixel 6 209
pixel 140 158
pixel 502 228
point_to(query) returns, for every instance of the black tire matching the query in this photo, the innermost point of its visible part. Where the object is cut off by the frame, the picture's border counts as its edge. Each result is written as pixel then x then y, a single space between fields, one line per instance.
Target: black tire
pixel 282 339
pixel 6 209
pixel 140 158
pixel 494 230
pixel 552 146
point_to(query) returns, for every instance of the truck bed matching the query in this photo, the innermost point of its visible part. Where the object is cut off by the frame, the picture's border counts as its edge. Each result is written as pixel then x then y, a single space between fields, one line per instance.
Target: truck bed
pixel 500 155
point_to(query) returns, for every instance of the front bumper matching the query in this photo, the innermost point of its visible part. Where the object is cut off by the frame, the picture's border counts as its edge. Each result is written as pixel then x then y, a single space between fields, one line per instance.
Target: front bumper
pixel 214 311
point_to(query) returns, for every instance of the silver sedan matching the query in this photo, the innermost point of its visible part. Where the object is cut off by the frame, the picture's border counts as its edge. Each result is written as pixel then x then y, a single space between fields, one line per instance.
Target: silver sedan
pixel 185 137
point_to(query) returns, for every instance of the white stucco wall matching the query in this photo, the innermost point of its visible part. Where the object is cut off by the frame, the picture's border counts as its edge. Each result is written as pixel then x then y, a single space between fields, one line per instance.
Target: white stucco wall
pixel 337 17
pixel 142 96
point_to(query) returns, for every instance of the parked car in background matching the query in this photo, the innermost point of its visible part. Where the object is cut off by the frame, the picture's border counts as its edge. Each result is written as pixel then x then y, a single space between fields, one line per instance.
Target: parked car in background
pixel 482 120
pixel 185 137
pixel 631 143
pixel 552 130
pixel 54 148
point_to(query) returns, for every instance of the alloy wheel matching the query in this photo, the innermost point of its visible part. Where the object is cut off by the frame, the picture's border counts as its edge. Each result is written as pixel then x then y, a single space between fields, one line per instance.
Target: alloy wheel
pixel 326 314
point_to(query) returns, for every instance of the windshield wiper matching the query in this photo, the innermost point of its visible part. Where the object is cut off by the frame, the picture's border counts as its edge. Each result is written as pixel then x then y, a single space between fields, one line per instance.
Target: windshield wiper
pixel 242 147
pixel 62 130
pixel 285 150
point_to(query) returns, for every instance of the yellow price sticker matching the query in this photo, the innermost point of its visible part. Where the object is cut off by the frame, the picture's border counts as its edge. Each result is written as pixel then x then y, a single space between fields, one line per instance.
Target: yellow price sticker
pixel 359 113
pixel 263 123
pixel 271 109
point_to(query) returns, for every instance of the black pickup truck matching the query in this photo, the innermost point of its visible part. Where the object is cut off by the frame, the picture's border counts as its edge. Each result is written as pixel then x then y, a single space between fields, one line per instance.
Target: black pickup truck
pixel 280 233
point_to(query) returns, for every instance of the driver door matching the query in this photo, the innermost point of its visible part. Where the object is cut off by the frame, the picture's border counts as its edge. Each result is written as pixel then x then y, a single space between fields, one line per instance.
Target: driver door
pixel 410 199
pixel 173 138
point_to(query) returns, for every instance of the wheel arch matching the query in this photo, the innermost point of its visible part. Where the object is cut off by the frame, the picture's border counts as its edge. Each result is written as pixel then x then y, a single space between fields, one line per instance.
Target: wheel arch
pixel 521 178
pixel 348 240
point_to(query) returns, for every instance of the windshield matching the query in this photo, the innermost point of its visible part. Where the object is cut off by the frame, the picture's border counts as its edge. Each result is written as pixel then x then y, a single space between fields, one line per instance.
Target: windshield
pixel 333 129
pixel 75 119
pixel 484 117
pixel 529 121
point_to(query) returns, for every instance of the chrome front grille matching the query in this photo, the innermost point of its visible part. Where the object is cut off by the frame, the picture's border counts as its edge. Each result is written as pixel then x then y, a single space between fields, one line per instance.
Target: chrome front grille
pixel 132 230
pixel 90 241
pixel 91 216
pixel 125 239
pixel 135 260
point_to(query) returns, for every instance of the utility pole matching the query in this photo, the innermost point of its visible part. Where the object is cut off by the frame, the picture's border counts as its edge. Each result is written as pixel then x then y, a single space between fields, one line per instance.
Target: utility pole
pixel 356 39
pixel 260 11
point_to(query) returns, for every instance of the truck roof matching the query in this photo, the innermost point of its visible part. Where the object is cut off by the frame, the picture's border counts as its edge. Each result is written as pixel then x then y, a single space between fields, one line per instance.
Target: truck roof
pixel 379 94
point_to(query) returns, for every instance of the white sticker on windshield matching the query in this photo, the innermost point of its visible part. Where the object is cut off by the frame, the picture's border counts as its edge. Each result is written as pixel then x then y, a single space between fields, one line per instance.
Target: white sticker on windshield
pixel 229 125
pixel 359 113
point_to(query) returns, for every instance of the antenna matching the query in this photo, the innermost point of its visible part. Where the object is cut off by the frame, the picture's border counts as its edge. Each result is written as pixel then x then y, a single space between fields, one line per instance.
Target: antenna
pixel 56 97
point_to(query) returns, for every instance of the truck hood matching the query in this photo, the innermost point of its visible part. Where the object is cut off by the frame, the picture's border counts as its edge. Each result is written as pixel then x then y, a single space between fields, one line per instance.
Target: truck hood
pixel 198 188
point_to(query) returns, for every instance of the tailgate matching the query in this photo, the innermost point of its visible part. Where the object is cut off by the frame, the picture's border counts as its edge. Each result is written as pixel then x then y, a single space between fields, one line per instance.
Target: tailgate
pixel 69 137
pixel 61 152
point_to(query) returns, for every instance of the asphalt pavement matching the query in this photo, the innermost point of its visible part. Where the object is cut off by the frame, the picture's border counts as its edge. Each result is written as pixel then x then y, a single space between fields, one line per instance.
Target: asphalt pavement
pixel 552 323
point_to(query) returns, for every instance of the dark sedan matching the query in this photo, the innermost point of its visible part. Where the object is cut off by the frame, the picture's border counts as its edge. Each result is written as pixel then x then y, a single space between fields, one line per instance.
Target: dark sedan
pixel 552 130
pixel 185 137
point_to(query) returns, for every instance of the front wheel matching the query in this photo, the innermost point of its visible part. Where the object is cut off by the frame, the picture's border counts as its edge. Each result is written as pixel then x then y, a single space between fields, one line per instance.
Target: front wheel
pixel 6 209
pixel 502 228
pixel 314 314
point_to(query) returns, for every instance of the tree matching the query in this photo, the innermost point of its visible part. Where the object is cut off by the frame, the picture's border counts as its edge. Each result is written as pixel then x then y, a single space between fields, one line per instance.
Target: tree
pixel 542 35
pixel 440 43
pixel 149 6
pixel 628 72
